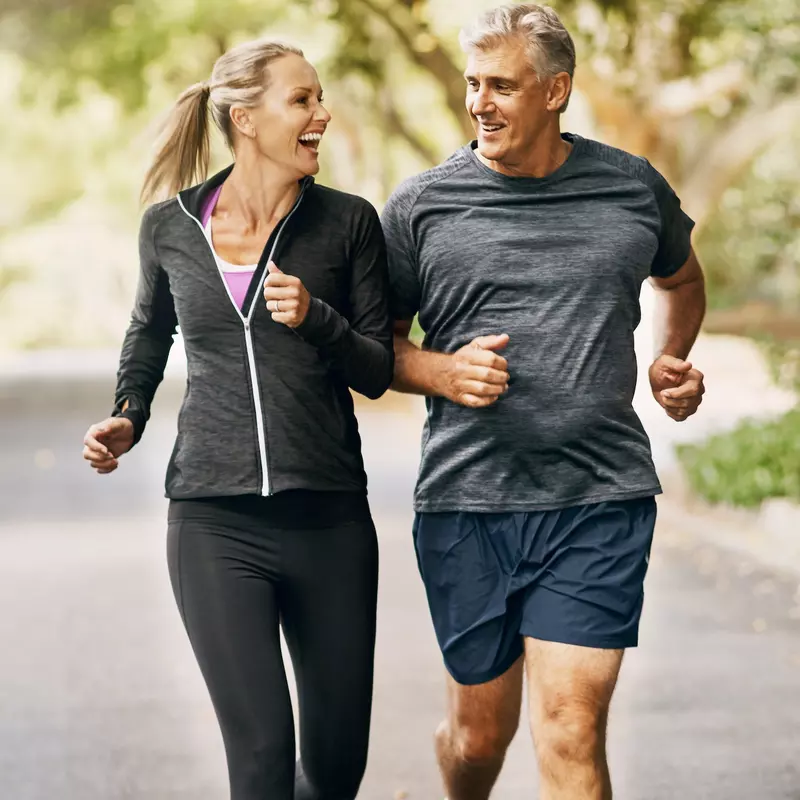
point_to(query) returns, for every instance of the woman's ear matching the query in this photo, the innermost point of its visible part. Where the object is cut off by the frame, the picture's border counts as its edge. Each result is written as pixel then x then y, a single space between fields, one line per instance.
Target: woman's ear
pixel 240 117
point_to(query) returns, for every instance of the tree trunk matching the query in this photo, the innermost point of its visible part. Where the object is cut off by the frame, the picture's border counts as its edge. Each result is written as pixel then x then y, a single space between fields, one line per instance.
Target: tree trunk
pixel 427 52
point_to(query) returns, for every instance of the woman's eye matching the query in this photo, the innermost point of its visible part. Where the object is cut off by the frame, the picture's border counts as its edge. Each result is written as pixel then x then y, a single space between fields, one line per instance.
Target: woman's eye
pixel 303 100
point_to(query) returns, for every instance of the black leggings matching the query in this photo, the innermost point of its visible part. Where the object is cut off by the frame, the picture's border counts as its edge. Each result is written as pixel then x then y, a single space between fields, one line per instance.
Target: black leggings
pixel 240 568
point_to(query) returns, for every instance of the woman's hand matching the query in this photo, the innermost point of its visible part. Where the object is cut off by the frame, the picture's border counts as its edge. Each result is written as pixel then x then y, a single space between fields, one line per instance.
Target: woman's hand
pixel 286 297
pixel 106 441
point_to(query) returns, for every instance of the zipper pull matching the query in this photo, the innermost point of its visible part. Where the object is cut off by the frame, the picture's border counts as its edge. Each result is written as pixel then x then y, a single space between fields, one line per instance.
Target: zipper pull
pixel 247 324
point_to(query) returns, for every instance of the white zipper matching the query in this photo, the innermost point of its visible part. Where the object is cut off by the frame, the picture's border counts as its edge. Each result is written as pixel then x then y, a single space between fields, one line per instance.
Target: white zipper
pixel 248 337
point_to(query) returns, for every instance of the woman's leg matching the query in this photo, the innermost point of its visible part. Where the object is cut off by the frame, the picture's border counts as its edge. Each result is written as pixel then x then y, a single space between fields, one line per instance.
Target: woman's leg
pixel 328 606
pixel 223 582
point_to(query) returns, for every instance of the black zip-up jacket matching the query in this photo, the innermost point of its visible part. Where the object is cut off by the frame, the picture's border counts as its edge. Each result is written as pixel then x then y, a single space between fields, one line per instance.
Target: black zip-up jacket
pixel 267 408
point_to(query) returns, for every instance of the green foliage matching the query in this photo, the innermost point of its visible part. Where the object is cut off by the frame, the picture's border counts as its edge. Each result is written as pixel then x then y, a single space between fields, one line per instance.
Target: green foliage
pixel 783 359
pixel 751 248
pixel 685 83
pixel 116 45
pixel 744 467
pixel 11 274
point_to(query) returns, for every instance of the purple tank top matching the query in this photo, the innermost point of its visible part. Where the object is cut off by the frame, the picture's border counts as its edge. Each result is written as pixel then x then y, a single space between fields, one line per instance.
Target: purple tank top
pixel 238 280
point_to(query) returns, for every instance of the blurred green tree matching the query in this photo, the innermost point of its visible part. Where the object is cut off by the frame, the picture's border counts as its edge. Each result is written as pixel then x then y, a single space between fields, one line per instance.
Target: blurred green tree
pixel 702 89
pixel 699 87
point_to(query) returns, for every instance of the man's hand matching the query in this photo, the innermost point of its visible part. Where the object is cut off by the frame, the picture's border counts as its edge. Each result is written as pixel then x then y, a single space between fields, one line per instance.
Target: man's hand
pixel 106 441
pixel 677 386
pixel 476 376
pixel 286 297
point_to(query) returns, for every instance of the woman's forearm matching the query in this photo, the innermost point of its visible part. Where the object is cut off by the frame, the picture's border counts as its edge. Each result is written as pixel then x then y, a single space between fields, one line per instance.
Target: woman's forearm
pixel 366 362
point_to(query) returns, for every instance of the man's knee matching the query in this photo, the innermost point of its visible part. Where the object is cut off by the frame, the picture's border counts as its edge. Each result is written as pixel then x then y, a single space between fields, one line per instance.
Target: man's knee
pixel 570 730
pixel 474 743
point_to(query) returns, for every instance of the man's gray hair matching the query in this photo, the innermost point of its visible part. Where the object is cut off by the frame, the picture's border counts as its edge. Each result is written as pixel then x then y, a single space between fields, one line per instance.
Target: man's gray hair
pixel 549 45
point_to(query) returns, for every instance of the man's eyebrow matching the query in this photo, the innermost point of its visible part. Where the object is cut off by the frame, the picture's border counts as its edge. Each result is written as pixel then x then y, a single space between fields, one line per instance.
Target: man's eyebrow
pixel 493 79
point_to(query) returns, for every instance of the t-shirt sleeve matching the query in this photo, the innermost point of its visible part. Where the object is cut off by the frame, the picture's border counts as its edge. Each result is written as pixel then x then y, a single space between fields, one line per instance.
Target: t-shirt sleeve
pixel 674 241
pixel 404 285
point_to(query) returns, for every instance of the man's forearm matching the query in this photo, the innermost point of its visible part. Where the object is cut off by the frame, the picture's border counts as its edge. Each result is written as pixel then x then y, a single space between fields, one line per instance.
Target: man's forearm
pixel 679 313
pixel 417 371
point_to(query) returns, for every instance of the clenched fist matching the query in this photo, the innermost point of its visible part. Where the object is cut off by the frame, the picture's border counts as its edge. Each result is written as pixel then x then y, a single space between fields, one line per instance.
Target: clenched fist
pixel 476 376
pixel 106 441
pixel 286 297
pixel 676 386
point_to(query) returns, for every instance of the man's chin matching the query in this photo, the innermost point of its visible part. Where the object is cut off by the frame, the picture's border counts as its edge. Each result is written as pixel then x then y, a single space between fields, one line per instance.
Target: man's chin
pixel 490 151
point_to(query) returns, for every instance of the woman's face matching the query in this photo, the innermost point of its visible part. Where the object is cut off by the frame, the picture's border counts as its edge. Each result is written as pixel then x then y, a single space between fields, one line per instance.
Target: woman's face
pixel 290 120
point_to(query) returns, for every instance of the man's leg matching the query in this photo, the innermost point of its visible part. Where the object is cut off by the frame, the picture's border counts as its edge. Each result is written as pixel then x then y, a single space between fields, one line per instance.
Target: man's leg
pixel 471 742
pixel 466 561
pixel 569 691
pixel 588 594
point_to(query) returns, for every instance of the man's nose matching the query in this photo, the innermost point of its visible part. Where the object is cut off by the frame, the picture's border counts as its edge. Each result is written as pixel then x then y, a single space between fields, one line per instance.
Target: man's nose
pixel 481 102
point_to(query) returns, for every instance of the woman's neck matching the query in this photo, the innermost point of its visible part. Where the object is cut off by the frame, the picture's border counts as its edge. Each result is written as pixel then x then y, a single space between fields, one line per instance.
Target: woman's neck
pixel 258 194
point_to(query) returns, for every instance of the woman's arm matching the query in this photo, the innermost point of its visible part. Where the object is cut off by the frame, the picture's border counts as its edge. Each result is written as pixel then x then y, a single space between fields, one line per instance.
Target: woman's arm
pixel 149 337
pixel 361 348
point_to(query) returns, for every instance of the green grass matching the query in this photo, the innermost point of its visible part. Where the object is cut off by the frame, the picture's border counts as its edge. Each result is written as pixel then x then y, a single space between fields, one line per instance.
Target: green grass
pixel 752 463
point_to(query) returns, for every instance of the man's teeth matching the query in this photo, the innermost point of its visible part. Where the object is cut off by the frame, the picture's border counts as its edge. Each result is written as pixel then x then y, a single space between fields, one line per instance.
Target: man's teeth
pixel 491 128
pixel 311 137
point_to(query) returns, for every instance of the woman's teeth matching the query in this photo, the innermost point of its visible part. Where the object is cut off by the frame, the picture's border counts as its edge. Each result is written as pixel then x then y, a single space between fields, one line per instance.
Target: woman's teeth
pixel 311 138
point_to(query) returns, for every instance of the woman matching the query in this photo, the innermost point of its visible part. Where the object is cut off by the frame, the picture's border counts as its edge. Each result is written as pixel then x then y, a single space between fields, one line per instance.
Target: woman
pixel 268 520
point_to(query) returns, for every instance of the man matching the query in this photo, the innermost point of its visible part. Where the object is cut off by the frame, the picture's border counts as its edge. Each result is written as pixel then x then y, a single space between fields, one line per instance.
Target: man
pixel 524 254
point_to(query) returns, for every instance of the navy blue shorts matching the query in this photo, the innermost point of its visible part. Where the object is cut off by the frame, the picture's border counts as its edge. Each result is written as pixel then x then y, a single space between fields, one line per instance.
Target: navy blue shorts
pixel 574 575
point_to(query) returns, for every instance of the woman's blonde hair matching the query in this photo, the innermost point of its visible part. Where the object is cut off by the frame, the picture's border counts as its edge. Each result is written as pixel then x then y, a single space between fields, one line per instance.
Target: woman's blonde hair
pixel 239 77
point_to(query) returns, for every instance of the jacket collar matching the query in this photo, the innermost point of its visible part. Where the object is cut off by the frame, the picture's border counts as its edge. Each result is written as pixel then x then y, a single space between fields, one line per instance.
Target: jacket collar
pixel 193 198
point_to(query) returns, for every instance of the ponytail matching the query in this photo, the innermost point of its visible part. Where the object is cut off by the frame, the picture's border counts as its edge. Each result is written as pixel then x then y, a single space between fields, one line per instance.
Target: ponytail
pixel 183 147
pixel 239 77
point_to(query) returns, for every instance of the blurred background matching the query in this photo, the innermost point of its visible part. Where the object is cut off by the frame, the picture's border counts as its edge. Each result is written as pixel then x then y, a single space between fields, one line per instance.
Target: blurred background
pixel 99 694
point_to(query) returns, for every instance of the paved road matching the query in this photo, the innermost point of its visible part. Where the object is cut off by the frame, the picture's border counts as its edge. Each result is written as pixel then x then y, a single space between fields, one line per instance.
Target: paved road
pixel 100 698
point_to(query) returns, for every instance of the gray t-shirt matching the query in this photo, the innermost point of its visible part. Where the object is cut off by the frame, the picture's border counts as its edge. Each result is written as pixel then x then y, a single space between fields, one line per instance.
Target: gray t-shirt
pixel 557 263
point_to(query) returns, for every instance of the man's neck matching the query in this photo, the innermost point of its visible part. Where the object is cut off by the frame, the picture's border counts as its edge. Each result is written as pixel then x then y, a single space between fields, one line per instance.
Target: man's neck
pixel 549 153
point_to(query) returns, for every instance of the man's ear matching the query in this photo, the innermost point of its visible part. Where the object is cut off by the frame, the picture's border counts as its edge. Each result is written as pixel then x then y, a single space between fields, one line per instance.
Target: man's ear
pixel 560 89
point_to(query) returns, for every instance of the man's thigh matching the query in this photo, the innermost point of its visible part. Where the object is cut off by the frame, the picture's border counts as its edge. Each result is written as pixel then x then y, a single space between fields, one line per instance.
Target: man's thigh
pixel 570 683
pixel 569 693
pixel 589 589
pixel 463 561
pixel 488 710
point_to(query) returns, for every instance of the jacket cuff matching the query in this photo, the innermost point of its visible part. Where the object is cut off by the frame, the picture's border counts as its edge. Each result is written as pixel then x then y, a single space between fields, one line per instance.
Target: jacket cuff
pixel 322 326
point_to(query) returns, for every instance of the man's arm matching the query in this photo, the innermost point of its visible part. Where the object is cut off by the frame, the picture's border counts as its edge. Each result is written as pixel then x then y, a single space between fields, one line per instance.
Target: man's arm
pixel 473 376
pixel 680 309
pixel 679 312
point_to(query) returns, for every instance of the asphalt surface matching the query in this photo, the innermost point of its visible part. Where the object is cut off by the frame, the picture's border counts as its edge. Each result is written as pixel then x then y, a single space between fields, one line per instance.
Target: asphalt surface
pixel 100 697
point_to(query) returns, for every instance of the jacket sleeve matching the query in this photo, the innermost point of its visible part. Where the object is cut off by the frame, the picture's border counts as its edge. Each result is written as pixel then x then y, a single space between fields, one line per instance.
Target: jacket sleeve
pixel 361 347
pixel 149 337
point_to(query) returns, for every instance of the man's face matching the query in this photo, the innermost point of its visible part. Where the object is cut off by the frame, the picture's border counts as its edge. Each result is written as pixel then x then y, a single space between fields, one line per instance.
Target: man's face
pixel 506 102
